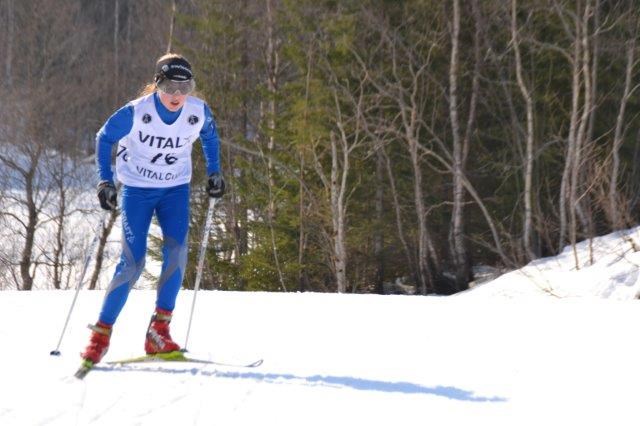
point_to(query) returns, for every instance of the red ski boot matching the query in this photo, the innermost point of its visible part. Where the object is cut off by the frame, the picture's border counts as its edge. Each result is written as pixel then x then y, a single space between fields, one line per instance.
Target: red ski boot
pixel 158 337
pixel 98 343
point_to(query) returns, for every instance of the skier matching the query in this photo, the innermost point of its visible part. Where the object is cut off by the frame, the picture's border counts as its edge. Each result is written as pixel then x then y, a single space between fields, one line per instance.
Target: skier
pixel 155 134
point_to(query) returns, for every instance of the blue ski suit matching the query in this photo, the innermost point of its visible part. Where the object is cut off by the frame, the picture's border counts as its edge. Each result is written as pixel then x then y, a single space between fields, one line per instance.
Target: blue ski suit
pixel 157 184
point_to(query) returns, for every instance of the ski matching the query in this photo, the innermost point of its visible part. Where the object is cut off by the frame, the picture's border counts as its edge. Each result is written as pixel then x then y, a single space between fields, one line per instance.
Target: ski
pixel 178 356
pixel 175 356
pixel 84 369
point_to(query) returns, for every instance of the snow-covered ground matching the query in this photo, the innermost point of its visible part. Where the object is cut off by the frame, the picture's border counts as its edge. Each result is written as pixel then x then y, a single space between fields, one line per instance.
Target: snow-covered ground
pixel 546 345
pixel 608 267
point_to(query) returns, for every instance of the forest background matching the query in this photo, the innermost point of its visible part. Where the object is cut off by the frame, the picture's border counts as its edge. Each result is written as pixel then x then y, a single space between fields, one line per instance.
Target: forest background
pixel 369 146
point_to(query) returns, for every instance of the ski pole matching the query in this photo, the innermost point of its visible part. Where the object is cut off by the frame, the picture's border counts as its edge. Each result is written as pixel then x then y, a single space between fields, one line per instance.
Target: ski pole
pixel 87 259
pixel 203 249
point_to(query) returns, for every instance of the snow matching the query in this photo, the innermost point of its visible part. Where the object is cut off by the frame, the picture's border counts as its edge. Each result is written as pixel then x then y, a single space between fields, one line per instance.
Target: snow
pixel 608 268
pixel 548 344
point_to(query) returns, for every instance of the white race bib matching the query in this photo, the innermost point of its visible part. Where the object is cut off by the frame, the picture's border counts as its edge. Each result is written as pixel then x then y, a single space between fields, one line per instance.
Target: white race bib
pixel 155 154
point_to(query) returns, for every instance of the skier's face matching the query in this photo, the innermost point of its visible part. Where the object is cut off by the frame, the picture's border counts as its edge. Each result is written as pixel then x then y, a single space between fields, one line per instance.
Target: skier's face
pixel 172 102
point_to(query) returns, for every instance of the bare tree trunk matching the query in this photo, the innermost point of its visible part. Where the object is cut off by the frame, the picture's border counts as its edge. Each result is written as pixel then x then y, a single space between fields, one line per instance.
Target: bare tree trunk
pixel 594 66
pixel 32 201
pixel 342 145
pixel 171 25
pixel 587 216
pixel 635 174
pixel 457 215
pixel 233 216
pixel 106 231
pixel 8 64
pixel 28 173
pixel 528 169
pixel 239 210
pixel 272 233
pixel 341 148
pixel 303 283
pixel 272 87
pixel 30 229
pixel 460 148
pixel 116 53
pixel 338 182
pixel 585 64
pixel 614 211
pixel 130 12
pixel 409 115
pixel 424 272
pixel 407 92
pixel 474 194
pixel 583 206
pixel 378 236
pixel 570 159
pixel 398 214
pixel 58 251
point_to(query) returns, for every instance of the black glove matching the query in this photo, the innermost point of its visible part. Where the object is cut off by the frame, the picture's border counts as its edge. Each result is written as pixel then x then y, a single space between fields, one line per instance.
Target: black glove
pixel 215 185
pixel 108 195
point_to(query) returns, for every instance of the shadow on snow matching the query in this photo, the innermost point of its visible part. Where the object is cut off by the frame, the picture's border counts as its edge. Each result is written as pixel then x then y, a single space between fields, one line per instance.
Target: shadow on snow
pixel 318 380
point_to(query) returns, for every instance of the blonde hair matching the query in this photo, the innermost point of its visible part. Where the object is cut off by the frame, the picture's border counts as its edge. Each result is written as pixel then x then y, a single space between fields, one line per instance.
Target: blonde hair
pixel 148 89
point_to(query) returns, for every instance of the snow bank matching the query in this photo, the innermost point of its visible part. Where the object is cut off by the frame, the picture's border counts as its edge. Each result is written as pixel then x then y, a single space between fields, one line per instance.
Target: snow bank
pixel 608 267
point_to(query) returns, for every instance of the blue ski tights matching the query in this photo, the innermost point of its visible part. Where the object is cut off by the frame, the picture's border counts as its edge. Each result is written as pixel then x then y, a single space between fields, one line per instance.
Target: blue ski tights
pixel 171 207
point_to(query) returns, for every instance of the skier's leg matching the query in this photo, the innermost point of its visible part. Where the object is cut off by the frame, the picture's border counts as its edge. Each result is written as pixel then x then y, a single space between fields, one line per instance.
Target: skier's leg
pixel 137 209
pixel 173 216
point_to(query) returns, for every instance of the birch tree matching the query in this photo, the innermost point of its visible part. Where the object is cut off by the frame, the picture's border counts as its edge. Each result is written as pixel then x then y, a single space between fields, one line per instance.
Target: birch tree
pixel 529 137
pixel 581 105
pixel 461 142
pixel 614 204
pixel 9 47
pixel 25 209
pixel 404 87
pixel 343 141
pixel 272 62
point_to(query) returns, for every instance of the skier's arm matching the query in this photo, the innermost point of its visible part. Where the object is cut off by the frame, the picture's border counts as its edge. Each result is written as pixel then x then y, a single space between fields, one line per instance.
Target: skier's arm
pixel 116 127
pixel 210 142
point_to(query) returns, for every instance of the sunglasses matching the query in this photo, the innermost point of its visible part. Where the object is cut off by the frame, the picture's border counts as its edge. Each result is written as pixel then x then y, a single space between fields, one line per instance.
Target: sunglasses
pixel 172 87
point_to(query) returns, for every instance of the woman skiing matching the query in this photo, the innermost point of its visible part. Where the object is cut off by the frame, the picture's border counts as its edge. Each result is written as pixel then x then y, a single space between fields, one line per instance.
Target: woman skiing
pixel 155 134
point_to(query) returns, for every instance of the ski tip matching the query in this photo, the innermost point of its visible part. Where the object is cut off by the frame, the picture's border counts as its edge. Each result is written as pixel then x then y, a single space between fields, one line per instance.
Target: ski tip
pixel 84 369
pixel 81 373
pixel 258 363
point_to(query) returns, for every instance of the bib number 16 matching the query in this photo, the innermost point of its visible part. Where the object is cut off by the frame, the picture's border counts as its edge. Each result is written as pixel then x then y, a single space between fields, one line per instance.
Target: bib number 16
pixel 168 158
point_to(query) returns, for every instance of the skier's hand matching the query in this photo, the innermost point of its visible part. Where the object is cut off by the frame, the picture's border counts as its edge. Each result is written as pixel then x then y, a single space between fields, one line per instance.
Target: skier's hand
pixel 215 185
pixel 108 195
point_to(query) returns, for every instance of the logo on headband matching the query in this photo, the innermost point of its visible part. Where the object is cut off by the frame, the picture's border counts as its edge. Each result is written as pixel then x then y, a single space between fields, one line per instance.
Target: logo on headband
pixel 176 72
